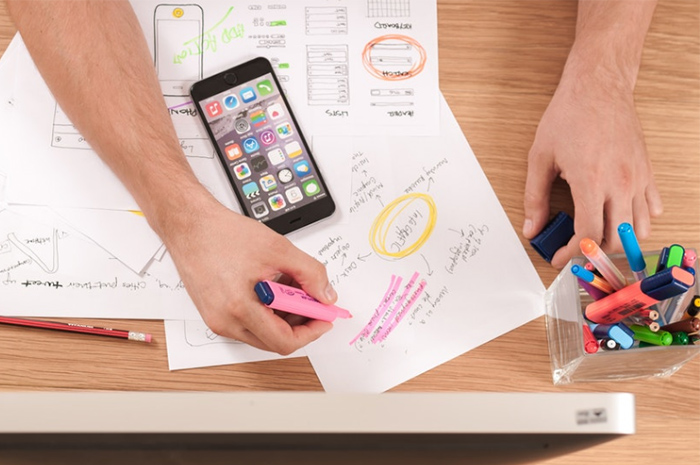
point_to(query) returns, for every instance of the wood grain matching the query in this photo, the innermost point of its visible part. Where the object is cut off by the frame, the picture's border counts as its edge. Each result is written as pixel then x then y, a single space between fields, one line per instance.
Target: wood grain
pixel 500 61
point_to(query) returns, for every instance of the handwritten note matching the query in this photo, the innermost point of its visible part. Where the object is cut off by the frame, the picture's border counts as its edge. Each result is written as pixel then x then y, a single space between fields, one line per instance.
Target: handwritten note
pixel 441 270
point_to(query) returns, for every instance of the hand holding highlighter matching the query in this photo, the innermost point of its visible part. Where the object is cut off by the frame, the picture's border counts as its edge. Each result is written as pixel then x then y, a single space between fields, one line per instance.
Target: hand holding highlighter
pixel 290 299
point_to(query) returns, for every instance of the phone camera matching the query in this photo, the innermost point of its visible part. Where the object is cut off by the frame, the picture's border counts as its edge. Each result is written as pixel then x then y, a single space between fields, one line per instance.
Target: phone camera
pixel 230 78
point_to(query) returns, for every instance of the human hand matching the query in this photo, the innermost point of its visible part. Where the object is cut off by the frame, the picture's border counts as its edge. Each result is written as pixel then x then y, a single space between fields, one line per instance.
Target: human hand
pixel 221 255
pixel 590 136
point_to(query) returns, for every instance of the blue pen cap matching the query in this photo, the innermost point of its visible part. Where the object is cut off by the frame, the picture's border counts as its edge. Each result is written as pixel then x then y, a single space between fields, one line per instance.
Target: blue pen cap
pixel 582 273
pixel 663 285
pixel 631 246
pixel 264 292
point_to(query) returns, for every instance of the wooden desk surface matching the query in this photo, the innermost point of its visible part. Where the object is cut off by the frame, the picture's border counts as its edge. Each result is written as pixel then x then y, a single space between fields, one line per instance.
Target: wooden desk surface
pixel 500 61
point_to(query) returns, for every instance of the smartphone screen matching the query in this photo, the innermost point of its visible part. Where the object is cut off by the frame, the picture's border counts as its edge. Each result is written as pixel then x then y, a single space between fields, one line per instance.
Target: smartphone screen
pixel 266 157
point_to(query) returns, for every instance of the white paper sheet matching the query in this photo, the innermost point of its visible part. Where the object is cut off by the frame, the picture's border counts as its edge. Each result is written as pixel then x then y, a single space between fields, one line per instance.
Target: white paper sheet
pixel 472 280
pixel 419 296
pixel 47 269
pixel 192 342
pixel 124 235
pixel 347 68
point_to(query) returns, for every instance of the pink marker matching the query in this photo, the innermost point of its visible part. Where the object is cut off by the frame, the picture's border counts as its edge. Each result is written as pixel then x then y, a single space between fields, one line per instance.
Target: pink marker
pixel 603 264
pixel 689 259
pixel 293 300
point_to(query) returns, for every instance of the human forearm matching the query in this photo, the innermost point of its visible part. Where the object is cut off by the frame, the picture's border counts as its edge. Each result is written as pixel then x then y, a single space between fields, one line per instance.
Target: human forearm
pixel 103 78
pixel 609 41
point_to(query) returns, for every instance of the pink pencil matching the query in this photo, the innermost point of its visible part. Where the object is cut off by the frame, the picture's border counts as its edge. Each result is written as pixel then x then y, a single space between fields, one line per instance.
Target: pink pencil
pixel 76 328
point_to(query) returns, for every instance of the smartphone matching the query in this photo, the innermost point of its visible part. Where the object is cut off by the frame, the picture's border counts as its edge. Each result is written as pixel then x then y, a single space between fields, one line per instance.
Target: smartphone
pixel 178 46
pixel 261 147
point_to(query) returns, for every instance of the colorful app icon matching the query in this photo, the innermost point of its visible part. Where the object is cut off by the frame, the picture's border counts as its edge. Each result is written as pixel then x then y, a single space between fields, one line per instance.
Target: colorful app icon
pixel 284 130
pixel 268 183
pixel 285 175
pixel 311 188
pixel 294 195
pixel 264 87
pixel 251 190
pixel 213 109
pixel 241 125
pixel 231 102
pixel 242 171
pixel 302 168
pixel 293 149
pixel 251 145
pixel 259 209
pixel 275 111
pixel 277 202
pixel 276 156
pixel 233 151
pixel 248 95
pixel 258 118
pixel 259 163
pixel 267 137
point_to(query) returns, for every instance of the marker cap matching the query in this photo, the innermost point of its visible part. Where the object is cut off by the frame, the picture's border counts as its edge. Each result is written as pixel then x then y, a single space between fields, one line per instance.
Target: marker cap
pixel 264 292
pixel 631 247
pixel 555 235
pixel 667 283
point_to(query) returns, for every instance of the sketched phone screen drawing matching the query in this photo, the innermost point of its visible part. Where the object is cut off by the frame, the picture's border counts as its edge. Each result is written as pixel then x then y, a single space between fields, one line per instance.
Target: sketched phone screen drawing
pixel 178 47
pixel 265 155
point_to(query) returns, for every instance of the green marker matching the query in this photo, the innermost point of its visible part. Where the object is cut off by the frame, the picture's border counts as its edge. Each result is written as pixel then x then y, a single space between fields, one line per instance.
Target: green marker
pixel 680 339
pixel 675 256
pixel 644 334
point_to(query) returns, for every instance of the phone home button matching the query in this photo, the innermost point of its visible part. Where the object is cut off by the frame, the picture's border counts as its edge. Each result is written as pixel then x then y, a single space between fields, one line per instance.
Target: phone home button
pixel 230 78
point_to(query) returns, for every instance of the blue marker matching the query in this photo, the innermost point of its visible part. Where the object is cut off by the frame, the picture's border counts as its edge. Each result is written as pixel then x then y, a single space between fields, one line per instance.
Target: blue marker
pixel 632 251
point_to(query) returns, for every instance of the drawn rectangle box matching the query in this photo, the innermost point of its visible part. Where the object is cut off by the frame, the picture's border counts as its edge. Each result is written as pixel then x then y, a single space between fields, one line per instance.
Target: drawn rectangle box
pixel 565 302
pixel 327 57
pixel 327 70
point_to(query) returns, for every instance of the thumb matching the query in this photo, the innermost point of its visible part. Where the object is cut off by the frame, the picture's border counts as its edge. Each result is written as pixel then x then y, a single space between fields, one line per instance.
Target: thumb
pixel 310 274
pixel 540 175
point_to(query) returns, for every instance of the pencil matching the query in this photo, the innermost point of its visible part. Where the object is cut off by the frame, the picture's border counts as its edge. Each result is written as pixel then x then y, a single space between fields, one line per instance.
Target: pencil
pixel 77 328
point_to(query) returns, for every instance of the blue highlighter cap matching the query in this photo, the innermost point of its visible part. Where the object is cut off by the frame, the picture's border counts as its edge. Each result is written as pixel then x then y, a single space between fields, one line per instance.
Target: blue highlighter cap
pixel 631 246
pixel 264 292
pixel 554 236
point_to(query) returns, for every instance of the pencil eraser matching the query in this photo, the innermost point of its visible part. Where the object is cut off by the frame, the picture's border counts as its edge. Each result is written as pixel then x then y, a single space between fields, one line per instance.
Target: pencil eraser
pixel 148 338
pixel 554 236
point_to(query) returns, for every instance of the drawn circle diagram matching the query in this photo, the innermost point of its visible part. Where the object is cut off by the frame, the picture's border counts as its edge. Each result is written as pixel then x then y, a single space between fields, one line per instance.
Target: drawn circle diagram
pixel 403 226
pixel 394 57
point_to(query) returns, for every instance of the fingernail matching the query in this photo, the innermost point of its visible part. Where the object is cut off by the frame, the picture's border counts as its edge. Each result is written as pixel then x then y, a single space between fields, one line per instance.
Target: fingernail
pixel 330 293
pixel 527 227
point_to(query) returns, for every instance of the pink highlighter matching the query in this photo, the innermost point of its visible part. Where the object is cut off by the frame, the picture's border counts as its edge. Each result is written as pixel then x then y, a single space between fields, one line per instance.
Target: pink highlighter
pixel 640 295
pixel 293 300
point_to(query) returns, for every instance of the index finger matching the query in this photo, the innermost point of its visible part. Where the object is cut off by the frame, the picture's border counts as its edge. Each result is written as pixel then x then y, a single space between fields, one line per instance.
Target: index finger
pixel 588 222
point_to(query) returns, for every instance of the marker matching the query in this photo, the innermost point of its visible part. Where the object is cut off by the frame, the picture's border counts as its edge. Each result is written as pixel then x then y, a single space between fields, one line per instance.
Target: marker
pixel 293 300
pixel 642 333
pixel 648 313
pixel 609 344
pixel 687 326
pixel 651 324
pixel 594 292
pixel 594 280
pixel 78 328
pixel 640 295
pixel 689 259
pixel 634 254
pixel 590 344
pixel 618 332
pixel 680 339
pixel 675 256
pixel 694 339
pixel 603 263
pixel 589 266
pixel 663 257
pixel 693 308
